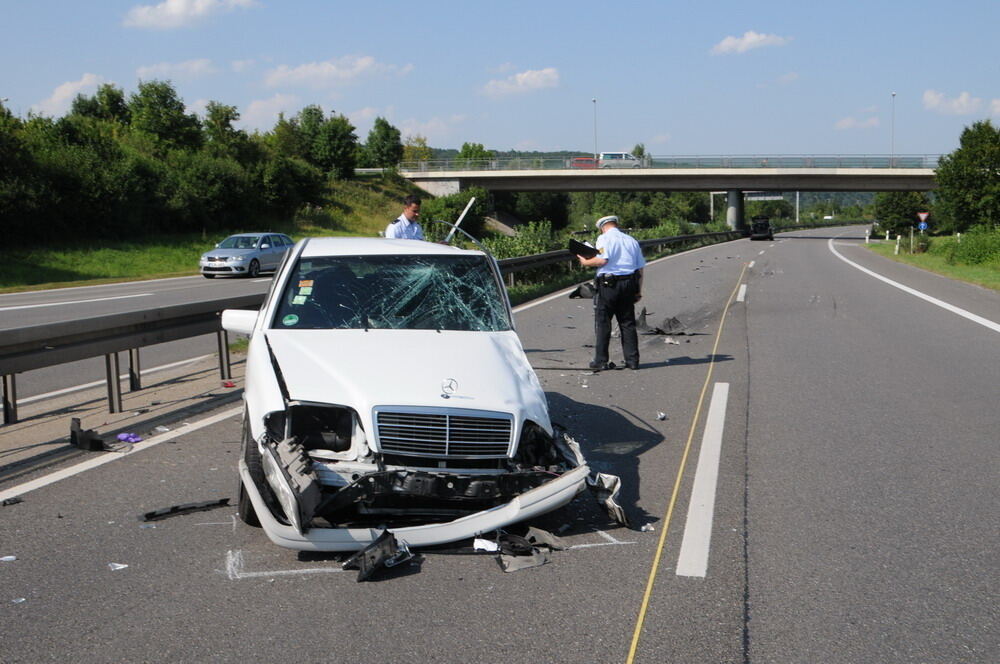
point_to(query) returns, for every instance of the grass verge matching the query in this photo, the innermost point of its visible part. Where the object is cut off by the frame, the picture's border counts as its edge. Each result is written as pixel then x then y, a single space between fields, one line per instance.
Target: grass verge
pixel 354 207
pixel 986 275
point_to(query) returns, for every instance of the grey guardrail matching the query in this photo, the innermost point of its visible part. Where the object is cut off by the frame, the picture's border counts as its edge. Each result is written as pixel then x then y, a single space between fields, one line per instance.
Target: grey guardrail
pixel 50 344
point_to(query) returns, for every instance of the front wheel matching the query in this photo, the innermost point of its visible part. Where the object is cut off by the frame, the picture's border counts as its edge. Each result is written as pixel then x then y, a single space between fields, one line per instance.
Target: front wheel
pixel 254 270
pixel 251 455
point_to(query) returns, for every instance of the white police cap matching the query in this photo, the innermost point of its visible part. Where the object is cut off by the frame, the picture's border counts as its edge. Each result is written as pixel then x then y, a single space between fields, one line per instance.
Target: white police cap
pixel 604 220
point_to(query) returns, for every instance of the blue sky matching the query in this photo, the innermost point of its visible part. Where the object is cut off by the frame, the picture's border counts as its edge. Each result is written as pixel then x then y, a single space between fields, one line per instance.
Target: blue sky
pixel 683 78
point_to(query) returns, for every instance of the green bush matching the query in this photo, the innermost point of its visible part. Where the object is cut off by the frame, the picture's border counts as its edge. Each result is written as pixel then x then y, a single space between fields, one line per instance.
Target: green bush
pixel 979 246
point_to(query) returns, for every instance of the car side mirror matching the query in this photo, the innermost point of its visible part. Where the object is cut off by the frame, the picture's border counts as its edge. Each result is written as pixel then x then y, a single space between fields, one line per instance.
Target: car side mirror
pixel 265 246
pixel 241 321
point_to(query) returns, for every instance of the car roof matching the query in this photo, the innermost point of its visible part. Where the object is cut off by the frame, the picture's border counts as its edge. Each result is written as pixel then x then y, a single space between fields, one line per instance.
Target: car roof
pixel 359 246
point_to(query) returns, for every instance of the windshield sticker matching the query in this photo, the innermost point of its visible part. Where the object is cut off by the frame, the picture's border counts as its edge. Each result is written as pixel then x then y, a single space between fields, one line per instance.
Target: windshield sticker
pixel 299 299
pixel 290 319
pixel 305 283
pixel 306 290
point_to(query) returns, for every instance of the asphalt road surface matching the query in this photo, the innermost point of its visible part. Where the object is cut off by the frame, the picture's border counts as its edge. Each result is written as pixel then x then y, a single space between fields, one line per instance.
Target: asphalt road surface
pixel 838 435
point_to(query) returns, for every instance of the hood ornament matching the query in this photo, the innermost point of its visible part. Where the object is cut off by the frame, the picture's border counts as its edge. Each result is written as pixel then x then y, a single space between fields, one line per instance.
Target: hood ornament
pixel 448 387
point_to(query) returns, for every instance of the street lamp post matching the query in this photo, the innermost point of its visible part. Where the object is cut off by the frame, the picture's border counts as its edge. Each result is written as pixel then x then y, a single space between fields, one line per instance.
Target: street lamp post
pixel 595 127
pixel 892 131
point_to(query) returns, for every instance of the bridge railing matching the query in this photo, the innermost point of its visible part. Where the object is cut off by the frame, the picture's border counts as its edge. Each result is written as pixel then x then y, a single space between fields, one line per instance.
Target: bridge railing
pixel 683 161
pixel 50 344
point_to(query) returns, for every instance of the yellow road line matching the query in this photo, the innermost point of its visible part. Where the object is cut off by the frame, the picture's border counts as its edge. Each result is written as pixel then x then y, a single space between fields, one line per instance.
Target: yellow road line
pixel 677 482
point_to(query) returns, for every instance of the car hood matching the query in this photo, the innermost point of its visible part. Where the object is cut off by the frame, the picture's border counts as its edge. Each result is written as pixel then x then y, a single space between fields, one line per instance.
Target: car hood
pixel 227 253
pixel 409 368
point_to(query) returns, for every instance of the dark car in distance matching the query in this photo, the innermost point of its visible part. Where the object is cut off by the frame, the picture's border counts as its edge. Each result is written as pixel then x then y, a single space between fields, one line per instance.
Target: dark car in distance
pixel 761 229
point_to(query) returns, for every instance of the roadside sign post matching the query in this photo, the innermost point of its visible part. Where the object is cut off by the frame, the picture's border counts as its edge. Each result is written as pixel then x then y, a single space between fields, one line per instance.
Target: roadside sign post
pixel 923 221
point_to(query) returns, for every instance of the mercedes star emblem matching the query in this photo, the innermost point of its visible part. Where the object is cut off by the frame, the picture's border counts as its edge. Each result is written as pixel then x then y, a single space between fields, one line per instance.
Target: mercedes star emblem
pixel 449 386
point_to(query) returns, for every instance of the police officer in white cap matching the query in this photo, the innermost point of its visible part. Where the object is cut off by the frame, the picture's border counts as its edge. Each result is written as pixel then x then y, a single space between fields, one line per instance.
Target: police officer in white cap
pixel 619 264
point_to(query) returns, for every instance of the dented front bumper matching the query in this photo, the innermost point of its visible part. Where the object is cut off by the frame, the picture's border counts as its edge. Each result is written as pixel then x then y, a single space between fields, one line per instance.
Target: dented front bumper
pixel 536 501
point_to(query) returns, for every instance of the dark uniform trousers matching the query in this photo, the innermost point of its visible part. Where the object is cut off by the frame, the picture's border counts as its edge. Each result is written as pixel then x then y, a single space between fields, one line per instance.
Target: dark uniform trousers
pixel 616 297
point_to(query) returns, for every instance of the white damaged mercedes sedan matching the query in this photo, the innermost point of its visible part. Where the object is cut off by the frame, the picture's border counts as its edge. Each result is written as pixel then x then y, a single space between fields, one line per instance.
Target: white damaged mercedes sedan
pixel 386 391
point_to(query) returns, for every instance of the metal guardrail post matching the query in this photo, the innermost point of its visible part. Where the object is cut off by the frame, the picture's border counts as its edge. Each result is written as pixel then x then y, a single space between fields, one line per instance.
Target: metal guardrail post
pixel 111 368
pixel 10 398
pixel 134 370
pixel 225 366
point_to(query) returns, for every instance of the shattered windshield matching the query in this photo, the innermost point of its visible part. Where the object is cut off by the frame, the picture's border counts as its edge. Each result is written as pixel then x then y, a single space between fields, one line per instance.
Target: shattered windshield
pixel 418 292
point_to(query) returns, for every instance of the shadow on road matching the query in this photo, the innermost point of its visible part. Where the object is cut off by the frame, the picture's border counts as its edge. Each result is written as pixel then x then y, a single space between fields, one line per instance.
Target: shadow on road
pixel 612 442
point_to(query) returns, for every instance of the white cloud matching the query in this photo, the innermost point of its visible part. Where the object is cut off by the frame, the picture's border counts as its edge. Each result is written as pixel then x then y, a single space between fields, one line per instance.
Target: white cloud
pixel 995 107
pixel 62 97
pixel 963 104
pixel 242 65
pixel 502 68
pixel 171 14
pixel 855 123
pixel 526 81
pixel 177 70
pixel 331 72
pixel 436 130
pixel 750 40
pixel 660 139
pixel 263 113
pixel 198 107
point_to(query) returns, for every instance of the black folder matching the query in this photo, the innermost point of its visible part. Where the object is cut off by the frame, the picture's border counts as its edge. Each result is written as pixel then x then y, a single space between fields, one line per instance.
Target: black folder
pixel 581 249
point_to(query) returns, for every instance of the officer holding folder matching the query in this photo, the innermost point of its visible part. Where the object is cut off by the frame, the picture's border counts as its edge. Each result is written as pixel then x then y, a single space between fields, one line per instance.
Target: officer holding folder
pixel 619 262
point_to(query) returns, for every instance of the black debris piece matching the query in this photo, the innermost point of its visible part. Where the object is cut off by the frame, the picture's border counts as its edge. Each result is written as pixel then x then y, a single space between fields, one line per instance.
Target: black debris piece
pixel 12 501
pixel 187 508
pixel 517 552
pixel 669 325
pixel 85 439
pixel 383 552
pixel 583 291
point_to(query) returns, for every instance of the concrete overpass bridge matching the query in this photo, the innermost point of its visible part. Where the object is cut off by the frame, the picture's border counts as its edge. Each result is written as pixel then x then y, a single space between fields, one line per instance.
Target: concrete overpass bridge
pixel 731 174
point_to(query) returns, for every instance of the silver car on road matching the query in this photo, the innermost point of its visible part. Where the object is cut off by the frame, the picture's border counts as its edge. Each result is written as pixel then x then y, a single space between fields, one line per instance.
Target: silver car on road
pixel 246 254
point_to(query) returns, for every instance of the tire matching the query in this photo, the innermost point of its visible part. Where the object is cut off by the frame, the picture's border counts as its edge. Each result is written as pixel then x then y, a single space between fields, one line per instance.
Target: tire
pixel 208 276
pixel 254 270
pixel 251 456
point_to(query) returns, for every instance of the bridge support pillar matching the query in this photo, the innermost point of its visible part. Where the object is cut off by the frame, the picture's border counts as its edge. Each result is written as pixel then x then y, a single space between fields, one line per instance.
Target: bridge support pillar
pixel 734 210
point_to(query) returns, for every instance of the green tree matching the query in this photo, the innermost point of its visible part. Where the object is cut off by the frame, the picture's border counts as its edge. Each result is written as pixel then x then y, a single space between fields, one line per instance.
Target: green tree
pixel 330 143
pixel 896 211
pixel 384 147
pixel 969 180
pixel 473 155
pixel 156 110
pixel 639 151
pixel 222 138
pixel 415 149
pixel 108 103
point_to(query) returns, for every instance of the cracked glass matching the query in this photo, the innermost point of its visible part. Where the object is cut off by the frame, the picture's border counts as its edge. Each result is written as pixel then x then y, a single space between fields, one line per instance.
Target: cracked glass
pixel 401 292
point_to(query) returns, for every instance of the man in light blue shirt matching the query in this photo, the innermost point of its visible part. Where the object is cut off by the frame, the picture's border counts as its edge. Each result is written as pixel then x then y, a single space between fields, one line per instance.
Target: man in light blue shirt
pixel 407 226
pixel 619 264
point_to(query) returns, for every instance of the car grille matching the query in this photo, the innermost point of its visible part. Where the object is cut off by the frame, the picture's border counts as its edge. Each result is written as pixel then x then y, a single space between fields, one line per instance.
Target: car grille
pixel 217 258
pixel 445 433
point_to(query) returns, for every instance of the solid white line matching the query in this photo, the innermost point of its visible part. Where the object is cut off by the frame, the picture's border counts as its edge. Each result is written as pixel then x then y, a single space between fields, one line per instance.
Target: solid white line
pixel 86 386
pixel 693 560
pixel 57 304
pixel 750 266
pixel 760 252
pixel 115 283
pixel 985 322
pixel 742 294
pixel 108 457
